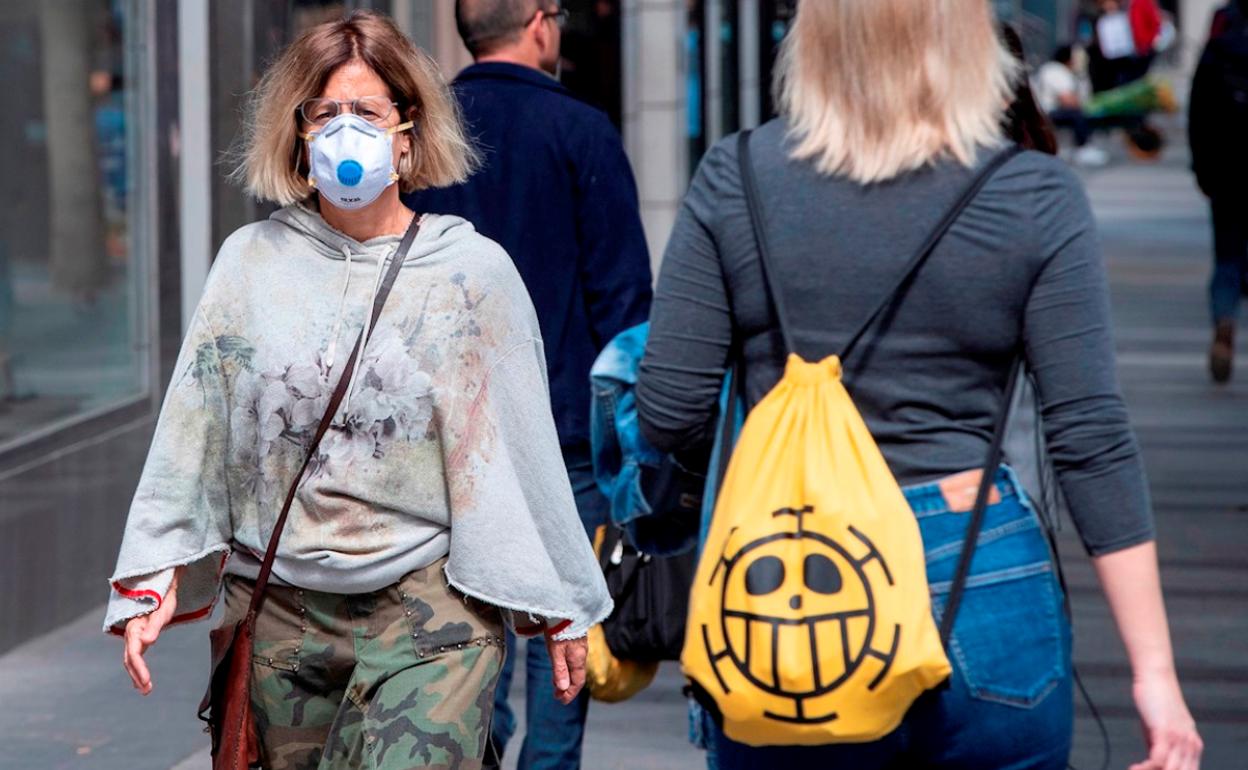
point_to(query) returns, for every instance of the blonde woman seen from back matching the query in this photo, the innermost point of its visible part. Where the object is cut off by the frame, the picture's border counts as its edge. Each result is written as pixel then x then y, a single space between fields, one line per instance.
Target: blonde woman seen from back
pixel 435 509
pixel 888 109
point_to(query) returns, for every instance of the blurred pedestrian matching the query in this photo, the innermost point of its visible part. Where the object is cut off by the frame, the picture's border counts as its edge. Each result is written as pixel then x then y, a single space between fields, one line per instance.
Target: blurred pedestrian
pixel 1218 133
pixel 1113 45
pixel 1124 42
pixel 1020 270
pixel 556 191
pixel 1146 27
pixel 1061 93
pixel 436 507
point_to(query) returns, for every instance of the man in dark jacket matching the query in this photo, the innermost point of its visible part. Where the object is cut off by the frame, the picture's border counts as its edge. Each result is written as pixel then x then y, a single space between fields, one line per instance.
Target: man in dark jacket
pixel 1218 132
pixel 556 191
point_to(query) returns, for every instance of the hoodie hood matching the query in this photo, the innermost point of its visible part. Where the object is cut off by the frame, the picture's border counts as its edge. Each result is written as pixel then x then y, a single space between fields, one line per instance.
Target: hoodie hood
pixel 437 232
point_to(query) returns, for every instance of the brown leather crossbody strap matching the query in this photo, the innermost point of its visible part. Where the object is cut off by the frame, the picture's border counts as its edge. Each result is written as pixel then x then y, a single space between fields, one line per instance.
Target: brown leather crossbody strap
pixel 340 391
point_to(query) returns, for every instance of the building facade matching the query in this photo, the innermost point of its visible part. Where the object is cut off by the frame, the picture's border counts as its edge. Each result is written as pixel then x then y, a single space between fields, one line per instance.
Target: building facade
pixel 119 114
pixel 121 117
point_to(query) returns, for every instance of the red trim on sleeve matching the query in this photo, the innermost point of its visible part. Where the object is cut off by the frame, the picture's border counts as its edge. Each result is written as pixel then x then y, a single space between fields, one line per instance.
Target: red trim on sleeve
pixel 558 627
pixel 140 594
pixel 529 630
pixel 187 617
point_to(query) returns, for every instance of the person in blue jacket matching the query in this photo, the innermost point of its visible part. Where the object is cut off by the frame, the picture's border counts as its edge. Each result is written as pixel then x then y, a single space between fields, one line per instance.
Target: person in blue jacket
pixel 556 191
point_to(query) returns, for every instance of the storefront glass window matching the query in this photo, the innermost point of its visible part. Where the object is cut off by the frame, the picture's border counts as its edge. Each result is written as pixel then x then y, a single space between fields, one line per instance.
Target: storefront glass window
pixel 695 81
pixel 774 20
pixel 72 337
pixel 730 69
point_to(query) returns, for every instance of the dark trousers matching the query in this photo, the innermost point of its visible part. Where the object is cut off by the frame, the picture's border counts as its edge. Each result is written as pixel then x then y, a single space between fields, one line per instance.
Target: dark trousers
pixel 1076 121
pixel 1230 251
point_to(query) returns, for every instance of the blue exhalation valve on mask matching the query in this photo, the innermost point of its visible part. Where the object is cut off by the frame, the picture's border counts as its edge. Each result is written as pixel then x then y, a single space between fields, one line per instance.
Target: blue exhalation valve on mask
pixel 352 161
pixel 350 173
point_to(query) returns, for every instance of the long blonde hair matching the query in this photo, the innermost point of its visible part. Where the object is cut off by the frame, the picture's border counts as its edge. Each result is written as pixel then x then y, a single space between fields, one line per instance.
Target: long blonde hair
pixel 875 88
pixel 271 161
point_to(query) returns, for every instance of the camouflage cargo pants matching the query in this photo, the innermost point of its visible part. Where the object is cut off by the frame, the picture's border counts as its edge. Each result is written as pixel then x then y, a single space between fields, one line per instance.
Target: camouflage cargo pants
pixel 400 678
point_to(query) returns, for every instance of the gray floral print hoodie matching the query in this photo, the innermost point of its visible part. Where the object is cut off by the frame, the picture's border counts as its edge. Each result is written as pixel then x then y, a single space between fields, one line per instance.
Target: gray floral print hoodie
pixel 444 445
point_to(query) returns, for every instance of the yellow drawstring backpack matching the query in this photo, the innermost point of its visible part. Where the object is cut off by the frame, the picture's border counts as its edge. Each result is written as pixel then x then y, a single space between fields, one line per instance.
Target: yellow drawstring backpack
pixel 810 620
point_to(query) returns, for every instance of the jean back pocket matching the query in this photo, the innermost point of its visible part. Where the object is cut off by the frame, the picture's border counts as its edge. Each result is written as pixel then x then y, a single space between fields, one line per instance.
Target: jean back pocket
pixel 1009 641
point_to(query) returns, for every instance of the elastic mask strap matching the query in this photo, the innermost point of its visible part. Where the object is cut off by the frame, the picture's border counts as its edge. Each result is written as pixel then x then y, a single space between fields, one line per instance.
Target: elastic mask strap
pixel 394 175
pixel 308 136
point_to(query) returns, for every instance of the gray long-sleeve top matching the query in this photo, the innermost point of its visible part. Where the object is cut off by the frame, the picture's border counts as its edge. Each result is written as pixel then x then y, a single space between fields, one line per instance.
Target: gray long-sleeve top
pixel 1020 268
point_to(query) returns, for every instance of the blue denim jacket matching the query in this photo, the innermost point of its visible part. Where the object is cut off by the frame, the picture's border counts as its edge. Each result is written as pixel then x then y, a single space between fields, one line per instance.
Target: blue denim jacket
pixel 620 451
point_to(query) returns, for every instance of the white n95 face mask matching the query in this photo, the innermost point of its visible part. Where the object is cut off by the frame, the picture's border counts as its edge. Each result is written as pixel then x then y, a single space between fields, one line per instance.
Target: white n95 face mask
pixel 351 160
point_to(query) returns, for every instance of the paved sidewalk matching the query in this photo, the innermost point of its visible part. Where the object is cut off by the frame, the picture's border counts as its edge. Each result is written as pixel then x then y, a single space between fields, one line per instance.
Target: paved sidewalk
pixel 68 704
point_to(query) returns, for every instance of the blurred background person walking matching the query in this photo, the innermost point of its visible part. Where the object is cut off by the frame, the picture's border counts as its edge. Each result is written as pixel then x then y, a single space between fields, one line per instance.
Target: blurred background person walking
pixel 1061 93
pixel 1019 273
pixel 556 191
pixel 1218 134
pixel 1124 39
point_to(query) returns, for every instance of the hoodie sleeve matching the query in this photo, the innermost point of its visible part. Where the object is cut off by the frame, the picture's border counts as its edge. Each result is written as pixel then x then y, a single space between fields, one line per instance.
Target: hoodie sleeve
pixel 516 539
pixel 180 516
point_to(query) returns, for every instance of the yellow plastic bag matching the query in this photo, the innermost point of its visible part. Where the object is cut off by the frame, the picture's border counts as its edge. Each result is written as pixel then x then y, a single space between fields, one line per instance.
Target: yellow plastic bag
pixel 609 678
pixel 810 621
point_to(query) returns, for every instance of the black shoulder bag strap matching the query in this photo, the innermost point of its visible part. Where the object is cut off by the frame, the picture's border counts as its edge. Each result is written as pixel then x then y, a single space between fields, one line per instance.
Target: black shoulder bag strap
pixel 754 202
pixel 340 390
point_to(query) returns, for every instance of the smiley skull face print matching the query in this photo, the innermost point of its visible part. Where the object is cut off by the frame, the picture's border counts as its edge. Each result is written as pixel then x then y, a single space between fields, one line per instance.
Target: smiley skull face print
pixel 798 617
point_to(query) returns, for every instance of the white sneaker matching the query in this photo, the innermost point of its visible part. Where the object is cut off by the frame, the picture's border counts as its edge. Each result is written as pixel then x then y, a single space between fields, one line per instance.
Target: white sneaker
pixel 1091 157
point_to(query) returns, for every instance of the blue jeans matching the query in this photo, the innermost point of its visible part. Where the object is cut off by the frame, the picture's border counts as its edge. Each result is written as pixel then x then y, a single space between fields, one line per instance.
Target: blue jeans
pixel 1230 251
pixel 1008 704
pixel 553 731
pixel 1074 119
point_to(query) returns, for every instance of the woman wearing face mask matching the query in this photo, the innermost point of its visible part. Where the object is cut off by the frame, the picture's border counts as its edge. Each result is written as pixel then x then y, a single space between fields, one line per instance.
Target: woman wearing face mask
pixel 435 506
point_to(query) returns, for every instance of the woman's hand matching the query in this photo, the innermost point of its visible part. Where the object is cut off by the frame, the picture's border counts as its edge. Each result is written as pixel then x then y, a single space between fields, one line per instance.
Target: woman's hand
pixel 141 633
pixel 567 662
pixel 1133 588
pixel 1170 731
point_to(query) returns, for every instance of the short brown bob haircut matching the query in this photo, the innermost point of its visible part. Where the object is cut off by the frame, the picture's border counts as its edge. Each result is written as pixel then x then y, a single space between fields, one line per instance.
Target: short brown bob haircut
pixel 273 164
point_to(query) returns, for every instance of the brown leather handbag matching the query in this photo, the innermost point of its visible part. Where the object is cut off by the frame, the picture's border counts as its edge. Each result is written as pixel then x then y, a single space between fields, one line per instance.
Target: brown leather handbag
pixel 226 706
